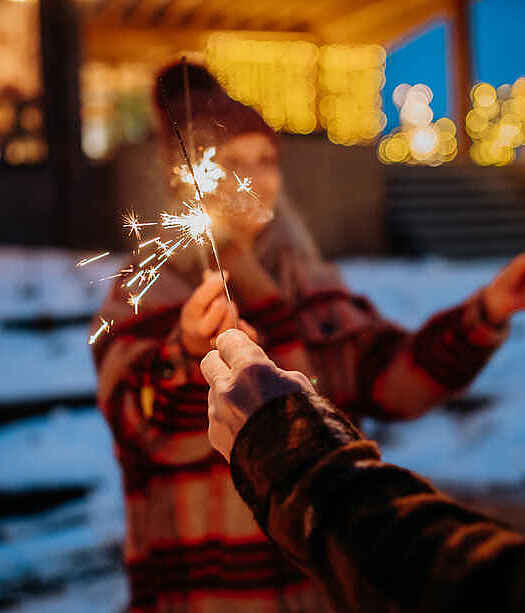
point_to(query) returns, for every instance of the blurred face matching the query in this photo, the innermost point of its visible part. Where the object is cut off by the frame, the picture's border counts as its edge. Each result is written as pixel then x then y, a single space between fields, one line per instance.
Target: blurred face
pixel 238 213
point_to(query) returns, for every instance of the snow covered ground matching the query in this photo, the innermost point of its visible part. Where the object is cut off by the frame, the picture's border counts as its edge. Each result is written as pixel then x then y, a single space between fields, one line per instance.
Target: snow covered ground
pixel 66 558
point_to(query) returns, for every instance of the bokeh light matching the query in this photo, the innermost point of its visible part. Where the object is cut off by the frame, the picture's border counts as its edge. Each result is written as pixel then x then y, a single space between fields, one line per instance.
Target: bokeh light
pixel 496 122
pixel 299 87
pixel 277 78
pixel 350 84
pixel 418 140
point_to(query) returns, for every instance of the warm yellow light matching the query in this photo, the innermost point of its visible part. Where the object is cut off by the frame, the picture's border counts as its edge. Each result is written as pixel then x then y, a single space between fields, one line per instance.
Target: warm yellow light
pixel 396 148
pixel 297 86
pixel 416 112
pixel 423 142
pixel 483 95
pixel 497 125
pixel 446 125
pixel 418 141
pixel 476 122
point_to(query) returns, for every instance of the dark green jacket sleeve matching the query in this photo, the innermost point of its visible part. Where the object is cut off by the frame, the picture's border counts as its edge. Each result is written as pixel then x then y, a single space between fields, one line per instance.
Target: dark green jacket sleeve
pixel 376 536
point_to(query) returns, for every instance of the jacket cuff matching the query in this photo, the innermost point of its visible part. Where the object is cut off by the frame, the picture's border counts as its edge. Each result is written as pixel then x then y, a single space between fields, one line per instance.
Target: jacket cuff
pixel 282 441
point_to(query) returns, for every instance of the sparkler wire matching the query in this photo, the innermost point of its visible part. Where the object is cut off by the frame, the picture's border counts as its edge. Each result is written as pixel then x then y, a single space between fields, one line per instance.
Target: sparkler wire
pixel 178 134
pixel 201 249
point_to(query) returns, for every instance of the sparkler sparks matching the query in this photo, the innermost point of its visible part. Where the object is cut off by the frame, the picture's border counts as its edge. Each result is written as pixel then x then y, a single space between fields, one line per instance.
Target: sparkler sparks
pixel 149 242
pixel 207 174
pixel 86 261
pixel 148 259
pixel 134 225
pixel 245 185
pixel 134 299
pixel 193 225
pixel 104 327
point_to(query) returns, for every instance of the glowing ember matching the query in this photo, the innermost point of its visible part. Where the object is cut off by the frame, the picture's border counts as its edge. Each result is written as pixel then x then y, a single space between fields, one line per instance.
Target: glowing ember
pixel 146 243
pixel 207 173
pixel 134 299
pixel 86 261
pixel 245 185
pixel 147 260
pixel 104 327
pixel 134 225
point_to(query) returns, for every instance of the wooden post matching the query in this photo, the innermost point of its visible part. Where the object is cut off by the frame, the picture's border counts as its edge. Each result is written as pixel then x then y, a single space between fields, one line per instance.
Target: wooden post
pixel 60 60
pixel 460 67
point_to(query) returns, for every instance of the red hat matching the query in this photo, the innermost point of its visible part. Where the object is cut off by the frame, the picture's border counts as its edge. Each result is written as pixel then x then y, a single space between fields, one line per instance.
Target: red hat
pixel 216 118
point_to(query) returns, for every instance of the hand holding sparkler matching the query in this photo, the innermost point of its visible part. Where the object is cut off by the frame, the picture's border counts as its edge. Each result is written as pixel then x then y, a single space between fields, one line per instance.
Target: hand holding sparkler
pixel 206 314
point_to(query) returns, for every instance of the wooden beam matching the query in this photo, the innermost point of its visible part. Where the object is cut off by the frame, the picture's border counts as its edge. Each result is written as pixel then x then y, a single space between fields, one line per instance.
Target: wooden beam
pixel 381 21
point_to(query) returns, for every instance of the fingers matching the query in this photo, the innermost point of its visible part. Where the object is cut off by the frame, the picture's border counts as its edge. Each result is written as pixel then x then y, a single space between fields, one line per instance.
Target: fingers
pixel 213 367
pixel 207 291
pixel 213 316
pixel 237 350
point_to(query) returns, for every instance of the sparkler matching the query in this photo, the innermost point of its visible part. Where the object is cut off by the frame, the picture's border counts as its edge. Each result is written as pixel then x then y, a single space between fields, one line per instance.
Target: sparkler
pixel 193 225
pixel 198 191
pixel 104 327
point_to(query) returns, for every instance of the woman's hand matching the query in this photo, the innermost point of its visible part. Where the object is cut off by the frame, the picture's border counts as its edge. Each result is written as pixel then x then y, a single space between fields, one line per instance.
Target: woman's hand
pixel 242 379
pixel 206 314
pixel 506 294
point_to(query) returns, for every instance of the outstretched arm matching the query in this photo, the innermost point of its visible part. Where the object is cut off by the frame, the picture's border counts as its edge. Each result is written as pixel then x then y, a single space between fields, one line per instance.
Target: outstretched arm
pixel 369 364
pixel 376 536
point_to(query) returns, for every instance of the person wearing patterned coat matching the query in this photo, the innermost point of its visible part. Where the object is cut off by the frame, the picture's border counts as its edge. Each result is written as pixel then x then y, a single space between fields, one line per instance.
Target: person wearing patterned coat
pixel 191 543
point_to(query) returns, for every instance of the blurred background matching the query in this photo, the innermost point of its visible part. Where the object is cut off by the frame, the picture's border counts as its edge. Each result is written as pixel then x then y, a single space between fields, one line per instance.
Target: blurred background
pixel 403 132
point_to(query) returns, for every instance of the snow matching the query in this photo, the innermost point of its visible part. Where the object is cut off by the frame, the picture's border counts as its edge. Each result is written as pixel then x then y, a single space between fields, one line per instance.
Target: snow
pixel 46 282
pixel 74 545
pixel 66 448
pixel 107 594
pixel 46 365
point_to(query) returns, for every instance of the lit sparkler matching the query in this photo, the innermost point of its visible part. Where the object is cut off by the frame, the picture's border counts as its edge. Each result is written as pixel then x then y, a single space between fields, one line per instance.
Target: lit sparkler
pixel 134 225
pixel 245 185
pixel 194 225
pixel 104 327
pixel 206 174
pixel 86 261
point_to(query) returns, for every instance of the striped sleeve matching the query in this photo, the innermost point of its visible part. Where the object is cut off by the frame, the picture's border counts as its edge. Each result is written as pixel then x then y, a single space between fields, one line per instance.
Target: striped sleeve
pixel 401 375
pixel 371 365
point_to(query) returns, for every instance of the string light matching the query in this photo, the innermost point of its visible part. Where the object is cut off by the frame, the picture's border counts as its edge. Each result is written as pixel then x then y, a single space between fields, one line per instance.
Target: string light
pixel 418 140
pixel 496 122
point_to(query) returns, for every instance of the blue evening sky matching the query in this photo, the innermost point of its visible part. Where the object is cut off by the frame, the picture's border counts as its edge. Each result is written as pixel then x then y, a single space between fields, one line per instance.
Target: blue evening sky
pixel 497 38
